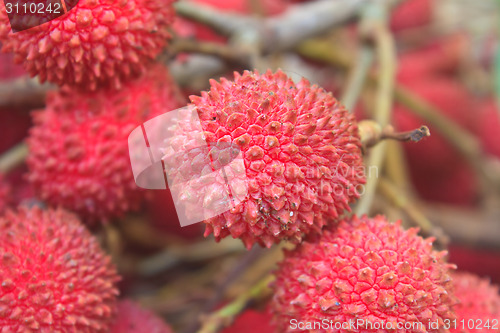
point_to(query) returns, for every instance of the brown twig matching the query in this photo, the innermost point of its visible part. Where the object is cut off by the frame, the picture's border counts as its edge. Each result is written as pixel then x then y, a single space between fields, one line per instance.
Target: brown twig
pixel 13 158
pixel 280 32
pixel 23 92
pixel 222 51
pixel 461 140
pixel 223 317
pixel 386 54
pixel 371 133
pixel 406 204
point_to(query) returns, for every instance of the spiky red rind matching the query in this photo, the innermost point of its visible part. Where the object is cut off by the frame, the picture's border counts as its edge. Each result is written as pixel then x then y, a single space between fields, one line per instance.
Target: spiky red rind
pixel 301 151
pixel 98 43
pixel 78 146
pixel 54 275
pixel 478 308
pixel 131 318
pixel 366 268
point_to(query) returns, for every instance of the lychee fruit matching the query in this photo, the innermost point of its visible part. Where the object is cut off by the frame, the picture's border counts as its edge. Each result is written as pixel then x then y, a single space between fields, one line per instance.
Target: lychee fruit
pixel 411 14
pixel 478 309
pixel 439 57
pixel 300 149
pixel 79 150
pixel 54 275
pixel 365 270
pixel 131 318
pixel 98 43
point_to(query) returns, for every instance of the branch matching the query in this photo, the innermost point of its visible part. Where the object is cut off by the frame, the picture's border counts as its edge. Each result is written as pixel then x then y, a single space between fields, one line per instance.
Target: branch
pixel 13 158
pixel 386 53
pixel 403 202
pixel 465 143
pixel 466 226
pixel 23 92
pixel 224 316
pixel 371 133
pixel 280 32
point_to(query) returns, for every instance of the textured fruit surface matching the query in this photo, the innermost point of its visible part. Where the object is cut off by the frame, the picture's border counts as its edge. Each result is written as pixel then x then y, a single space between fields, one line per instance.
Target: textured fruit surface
pixel 479 304
pixel 368 269
pixel 54 276
pixel 301 152
pixel 131 318
pixel 78 147
pixel 97 43
pixel 252 321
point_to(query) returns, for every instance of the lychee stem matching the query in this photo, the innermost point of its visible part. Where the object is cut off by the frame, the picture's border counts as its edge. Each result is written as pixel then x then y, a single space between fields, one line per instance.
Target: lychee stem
pixel 13 157
pixel 371 133
pixel 400 200
pixel 377 23
pixel 224 316
pixel 24 91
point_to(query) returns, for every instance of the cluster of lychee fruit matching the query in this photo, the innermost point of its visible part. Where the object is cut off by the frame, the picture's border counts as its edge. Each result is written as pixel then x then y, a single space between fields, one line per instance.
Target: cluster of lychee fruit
pixel 303 162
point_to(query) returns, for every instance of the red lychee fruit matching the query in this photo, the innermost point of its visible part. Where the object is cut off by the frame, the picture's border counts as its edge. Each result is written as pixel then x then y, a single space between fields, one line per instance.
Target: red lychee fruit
pixel 440 57
pixel 131 318
pixel 79 150
pixel 301 153
pixel 366 270
pixel 478 309
pixel 97 43
pixel 412 14
pixel 55 277
pixel 252 321
pixel 4 192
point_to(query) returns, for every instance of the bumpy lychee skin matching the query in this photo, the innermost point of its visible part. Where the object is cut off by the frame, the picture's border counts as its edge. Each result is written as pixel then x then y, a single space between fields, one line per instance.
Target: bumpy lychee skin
pixel 479 304
pixel 97 43
pixel 366 269
pixel 54 276
pixel 131 318
pixel 78 147
pixel 301 152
